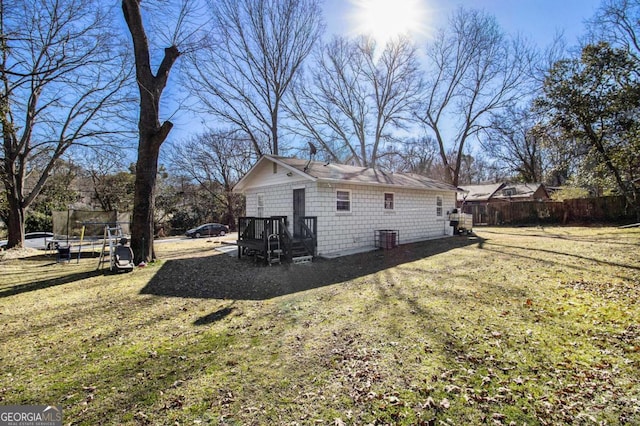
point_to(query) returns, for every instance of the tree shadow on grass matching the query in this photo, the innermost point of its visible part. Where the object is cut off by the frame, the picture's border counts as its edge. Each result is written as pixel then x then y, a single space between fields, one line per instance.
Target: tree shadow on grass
pixel 223 277
pixel 554 254
pixel 214 316
pixel 50 258
pixel 51 282
pixel 605 236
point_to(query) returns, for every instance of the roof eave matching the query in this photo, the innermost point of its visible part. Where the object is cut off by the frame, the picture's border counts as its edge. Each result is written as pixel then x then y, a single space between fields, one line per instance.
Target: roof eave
pixel 384 185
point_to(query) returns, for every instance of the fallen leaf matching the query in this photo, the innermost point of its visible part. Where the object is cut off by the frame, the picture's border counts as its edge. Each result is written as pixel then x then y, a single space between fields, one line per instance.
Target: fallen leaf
pixel 393 399
pixel 429 403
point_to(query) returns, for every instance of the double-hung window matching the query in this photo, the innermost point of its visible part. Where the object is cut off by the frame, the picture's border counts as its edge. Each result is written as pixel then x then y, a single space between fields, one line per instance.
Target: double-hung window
pixel 438 205
pixel 260 205
pixel 388 201
pixel 343 201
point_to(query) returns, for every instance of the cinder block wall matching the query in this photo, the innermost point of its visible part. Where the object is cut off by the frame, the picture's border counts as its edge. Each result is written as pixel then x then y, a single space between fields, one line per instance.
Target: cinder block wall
pixel 414 216
pixel 414 213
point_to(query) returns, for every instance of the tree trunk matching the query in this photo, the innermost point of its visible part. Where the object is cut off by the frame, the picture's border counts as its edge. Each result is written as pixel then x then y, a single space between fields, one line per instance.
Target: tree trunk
pixel 230 217
pixel 10 178
pixel 151 138
pixel 143 203
pixel 628 193
pixel 151 133
pixel 13 188
pixel 15 224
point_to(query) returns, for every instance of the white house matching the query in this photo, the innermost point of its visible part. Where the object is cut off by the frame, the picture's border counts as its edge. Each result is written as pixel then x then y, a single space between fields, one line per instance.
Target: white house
pixel 349 205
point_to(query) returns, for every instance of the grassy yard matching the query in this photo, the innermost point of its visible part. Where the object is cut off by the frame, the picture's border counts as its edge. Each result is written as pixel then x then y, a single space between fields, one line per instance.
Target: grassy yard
pixel 512 326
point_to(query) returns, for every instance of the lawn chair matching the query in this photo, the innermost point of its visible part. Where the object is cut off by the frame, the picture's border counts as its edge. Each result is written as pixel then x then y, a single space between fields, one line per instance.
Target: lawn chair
pixel 122 258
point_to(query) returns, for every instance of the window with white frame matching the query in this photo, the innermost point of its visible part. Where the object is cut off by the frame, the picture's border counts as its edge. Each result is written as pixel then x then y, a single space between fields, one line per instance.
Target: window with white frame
pixel 260 205
pixel 388 201
pixel 343 201
pixel 439 205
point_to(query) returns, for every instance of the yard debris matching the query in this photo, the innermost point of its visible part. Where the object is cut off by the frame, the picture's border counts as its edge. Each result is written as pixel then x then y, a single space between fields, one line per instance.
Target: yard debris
pixel 174 403
pixel 538 327
pixel 142 417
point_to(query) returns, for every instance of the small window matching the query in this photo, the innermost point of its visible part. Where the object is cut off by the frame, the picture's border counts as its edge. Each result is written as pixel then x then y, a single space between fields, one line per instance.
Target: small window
pixel 439 206
pixel 343 201
pixel 260 205
pixel 388 201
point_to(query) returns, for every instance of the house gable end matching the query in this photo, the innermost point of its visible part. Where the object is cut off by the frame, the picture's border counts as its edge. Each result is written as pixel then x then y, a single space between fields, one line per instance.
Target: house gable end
pixel 269 171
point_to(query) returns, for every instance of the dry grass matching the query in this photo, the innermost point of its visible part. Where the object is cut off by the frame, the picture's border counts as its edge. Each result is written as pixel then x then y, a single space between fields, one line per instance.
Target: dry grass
pixel 514 326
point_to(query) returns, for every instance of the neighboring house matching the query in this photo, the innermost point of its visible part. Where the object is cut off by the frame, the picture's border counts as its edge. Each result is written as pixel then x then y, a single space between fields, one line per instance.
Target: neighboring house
pixel 478 193
pixel 521 192
pixel 476 198
pixel 341 207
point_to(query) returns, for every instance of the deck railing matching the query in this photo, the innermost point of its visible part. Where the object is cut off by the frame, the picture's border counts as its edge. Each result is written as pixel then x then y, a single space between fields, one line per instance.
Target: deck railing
pixel 254 232
pixel 309 230
pixel 259 228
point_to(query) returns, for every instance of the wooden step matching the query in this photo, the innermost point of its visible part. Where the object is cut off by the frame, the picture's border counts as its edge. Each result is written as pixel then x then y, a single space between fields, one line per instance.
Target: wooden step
pixel 298 249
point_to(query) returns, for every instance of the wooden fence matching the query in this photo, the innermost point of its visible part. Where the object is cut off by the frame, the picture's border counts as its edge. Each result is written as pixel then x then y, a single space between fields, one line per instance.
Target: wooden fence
pixel 600 209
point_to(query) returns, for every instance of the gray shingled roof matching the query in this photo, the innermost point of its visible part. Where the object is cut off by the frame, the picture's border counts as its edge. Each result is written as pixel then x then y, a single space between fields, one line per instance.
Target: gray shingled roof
pixel 479 192
pixel 362 175
pixel 520 190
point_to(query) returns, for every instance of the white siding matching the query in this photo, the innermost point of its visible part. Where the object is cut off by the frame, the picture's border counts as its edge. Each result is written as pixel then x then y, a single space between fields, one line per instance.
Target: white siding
pixel 278 199
pixel 266 175
pixel 414 214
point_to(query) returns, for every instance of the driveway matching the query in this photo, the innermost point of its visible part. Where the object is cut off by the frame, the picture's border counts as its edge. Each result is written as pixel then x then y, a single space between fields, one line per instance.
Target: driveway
pixel 231 237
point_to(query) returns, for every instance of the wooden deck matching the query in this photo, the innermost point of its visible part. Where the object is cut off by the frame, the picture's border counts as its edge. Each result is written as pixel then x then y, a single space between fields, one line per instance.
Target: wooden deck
pixel 268 239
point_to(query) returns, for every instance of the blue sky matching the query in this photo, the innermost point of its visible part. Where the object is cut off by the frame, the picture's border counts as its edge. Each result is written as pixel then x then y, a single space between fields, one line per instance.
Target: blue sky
pixel 538 20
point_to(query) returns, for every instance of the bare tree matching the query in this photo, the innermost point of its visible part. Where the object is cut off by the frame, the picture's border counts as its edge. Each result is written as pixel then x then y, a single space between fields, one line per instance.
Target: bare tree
pixel 215 161
pixel 152 133
pixel 616 22
pixel 110 185
pixel 61 81
pixel 512 140
pixel 253 55
pixel 474 71
pixel 410 155
pixel 356 96
pixel 562 153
